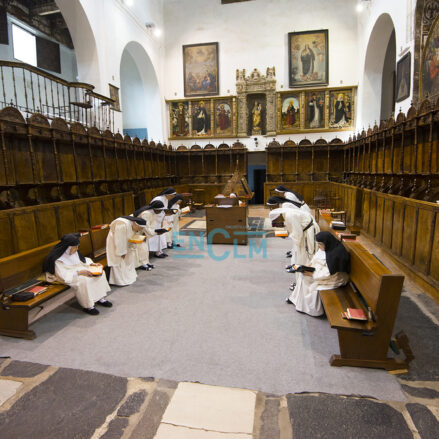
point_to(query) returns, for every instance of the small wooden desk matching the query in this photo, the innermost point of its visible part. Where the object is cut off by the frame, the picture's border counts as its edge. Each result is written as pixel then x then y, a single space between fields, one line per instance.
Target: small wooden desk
pixel 231 222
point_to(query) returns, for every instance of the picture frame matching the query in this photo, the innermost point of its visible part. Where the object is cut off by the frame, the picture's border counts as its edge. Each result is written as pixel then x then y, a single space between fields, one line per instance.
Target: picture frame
pixel 114 94
pixel 403 78
pixel 308 57
pixel 224 118
pixel 314 111
pixel 429 74
pixel 201 113
pixel 289 113
pixel 201 70
pixel 179 119
pixel 341 109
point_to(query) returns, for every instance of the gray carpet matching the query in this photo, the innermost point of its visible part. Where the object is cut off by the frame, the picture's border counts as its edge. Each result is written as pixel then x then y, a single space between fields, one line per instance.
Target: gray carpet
pixel 200 319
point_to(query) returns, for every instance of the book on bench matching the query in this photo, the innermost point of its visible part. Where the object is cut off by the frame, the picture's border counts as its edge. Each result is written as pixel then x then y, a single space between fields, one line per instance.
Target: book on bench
pixel 338 225
pixel 354 314
pixel 37 289
pixel 137 239
pixel 346 236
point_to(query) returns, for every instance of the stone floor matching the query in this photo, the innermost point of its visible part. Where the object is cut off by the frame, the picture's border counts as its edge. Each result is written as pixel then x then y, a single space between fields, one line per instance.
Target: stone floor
pixel 38 401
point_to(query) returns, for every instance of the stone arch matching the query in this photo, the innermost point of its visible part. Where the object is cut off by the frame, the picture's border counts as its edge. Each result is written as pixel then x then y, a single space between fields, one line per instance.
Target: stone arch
pixel 84 41
pixel 140 93
pixel 377 49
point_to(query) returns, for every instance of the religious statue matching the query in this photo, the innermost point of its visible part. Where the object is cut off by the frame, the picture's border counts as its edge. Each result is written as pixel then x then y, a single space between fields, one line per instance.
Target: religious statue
pixel 256 118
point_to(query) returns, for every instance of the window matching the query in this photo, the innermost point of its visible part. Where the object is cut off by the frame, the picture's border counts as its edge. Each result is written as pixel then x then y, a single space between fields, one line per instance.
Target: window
pixel 24 44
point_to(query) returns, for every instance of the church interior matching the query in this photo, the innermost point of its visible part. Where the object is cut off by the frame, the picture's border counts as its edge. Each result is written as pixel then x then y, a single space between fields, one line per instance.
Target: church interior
pixel 212 158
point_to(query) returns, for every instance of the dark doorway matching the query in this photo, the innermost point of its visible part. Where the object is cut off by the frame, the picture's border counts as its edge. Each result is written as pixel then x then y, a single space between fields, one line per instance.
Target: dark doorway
pixel 259 180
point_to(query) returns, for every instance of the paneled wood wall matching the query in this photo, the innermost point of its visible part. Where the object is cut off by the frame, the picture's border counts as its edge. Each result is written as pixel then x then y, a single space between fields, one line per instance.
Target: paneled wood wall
pixel 399 157
pixel 29 227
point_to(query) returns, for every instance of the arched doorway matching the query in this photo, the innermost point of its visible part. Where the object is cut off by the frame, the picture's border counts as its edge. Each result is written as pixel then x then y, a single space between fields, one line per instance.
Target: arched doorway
pixel 379 71
pixel 140 94
pixel 83 41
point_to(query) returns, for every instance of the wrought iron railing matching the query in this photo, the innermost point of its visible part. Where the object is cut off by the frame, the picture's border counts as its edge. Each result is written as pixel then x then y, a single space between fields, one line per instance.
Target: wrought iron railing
pixel 32 90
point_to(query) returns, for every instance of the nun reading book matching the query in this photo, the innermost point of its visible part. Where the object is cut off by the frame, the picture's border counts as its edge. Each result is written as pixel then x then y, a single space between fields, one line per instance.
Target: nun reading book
pixel 65 264
pixel 149 213
pixel 122 254
pixel 158 242
pixel 173 221
pixel 293 197
pixel 331 265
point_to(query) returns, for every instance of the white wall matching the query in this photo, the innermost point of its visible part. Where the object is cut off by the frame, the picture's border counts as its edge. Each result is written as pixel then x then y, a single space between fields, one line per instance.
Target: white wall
pixel 401 13
pixel 255 35
pixel 101 29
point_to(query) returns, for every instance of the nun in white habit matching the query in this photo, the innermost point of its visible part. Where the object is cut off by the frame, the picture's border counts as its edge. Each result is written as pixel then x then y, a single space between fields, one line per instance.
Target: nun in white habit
pixel 158 242
pixel 293 197
pixel 149 214
pixel 174 220
pixel 121 254
pixel 302 229
pixel 332 266
pixel 65 264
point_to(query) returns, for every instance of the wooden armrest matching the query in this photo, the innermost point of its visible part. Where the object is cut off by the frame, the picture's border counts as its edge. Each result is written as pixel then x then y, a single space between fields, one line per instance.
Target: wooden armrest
pixel 337 301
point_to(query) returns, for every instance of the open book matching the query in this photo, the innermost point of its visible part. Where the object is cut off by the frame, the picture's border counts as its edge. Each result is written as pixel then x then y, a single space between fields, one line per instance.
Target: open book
pixel 302 268
pixel 95 270
pixel 137 239
pixel 186 209
pixel 281 233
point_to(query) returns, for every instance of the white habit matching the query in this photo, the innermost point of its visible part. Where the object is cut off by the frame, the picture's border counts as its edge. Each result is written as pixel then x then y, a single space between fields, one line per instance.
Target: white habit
pixel 306 294
pixel 121 254
pixel 158 242
pixel 304 244
pixel 148 230
pixel 292 197
pixel 88 290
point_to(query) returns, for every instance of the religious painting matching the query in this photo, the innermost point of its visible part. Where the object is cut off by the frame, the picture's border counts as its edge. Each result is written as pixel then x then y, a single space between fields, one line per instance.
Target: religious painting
pixel 315 109
pixel 402 90
pixel 114 94
pixel 256 110
pixel 223 117
pixel 341 109
pixel 290 112
pixel 308 58
pixel 179 117
pixel 201 119
pixel 430 63
pixel 200 69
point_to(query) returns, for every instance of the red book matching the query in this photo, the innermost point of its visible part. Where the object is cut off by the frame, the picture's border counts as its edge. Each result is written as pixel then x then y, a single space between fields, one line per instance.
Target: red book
pixel 356 314
pixel 36 290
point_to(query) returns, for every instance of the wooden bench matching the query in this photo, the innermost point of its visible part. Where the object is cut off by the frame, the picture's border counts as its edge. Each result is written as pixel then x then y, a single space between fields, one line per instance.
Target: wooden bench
pixel 365 344
pixel 16 317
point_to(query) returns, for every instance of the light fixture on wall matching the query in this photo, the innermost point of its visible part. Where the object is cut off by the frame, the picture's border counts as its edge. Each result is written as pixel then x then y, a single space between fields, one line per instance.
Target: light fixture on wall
pixel 154 29
pixel 256 142
pixel 361 5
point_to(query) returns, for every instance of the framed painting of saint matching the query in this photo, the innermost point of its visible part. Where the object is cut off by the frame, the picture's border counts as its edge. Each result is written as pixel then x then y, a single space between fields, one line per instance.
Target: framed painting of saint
pixel 308 58
pixel 179 118
pixel 341 109
pixel 200 69
pixel 402 90
pixel 315 109
pixel 201 119
pixel 114 94
pixel 429 78
pixel 224 117
pixel 290 112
